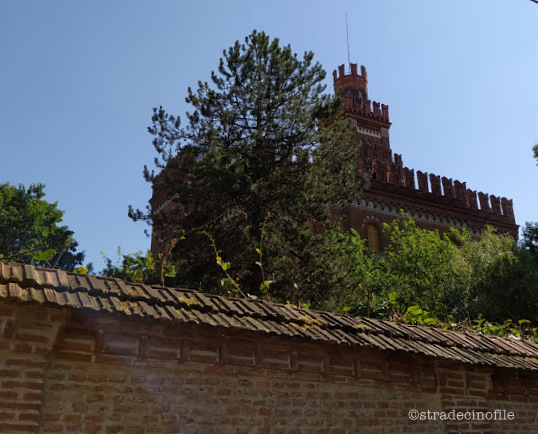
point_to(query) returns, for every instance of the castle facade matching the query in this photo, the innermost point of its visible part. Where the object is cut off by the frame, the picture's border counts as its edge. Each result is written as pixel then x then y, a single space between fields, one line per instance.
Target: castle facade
pixel 434 202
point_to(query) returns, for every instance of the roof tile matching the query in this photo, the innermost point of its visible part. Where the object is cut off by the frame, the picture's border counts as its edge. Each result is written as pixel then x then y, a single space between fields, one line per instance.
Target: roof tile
pixel 57 288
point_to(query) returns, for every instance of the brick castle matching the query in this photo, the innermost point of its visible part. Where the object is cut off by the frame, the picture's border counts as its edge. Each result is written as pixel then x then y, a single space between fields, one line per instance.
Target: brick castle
pixel 434 202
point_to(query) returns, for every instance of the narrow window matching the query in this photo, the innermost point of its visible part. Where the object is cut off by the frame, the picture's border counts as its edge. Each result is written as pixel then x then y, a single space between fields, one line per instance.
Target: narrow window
pixel 373 237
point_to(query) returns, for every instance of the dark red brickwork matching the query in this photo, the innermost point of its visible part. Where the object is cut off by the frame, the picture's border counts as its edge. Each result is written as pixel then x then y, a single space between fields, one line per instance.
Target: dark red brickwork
pixel 66 372
pixel 99 355
pixel 434 202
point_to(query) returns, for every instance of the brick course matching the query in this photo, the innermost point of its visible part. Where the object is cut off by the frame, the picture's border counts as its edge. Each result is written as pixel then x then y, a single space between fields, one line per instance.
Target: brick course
pixel 118 367
pixel 76 373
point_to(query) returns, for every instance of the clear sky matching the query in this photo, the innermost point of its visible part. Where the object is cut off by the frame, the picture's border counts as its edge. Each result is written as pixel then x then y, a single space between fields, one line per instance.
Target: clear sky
pixel 79 79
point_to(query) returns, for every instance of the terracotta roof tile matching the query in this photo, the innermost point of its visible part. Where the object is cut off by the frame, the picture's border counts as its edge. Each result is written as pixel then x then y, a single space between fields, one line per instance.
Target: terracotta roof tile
pixel 57 288
pixel 38 295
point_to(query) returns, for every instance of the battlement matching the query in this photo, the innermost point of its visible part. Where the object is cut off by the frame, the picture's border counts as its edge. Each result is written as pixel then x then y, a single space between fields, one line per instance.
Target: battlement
pixel 365 107
pixel 353 87
pixel 341 79
pixel 445 202
pixel 393 172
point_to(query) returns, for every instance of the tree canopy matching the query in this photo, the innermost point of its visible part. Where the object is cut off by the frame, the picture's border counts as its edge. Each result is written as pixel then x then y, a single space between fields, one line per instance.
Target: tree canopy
pixel 246 191
pixel 30 231
pixel 449 277
pixel 263 158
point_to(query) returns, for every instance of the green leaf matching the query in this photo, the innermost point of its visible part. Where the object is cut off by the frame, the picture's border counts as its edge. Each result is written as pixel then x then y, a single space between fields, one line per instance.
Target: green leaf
pixel 264 286
pixel 44 256
pixel 415 310
pixel 81 270
pixel 226 282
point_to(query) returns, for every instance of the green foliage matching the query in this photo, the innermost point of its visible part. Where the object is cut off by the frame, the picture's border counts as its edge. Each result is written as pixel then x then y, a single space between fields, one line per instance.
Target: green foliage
pixel 418 268
pixel 492 286
pixel 425 278
pixel 263 158
pixel 535 152
pixel 521 329
pixel 228 283
pixel 137 267
pixel 420 265
pixel 30 231
pixel 492 277
pixel 359 276
pixel 415 315
pixel 253 176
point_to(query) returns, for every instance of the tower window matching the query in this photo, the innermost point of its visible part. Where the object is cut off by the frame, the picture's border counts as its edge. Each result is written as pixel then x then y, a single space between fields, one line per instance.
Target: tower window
pixel 372 233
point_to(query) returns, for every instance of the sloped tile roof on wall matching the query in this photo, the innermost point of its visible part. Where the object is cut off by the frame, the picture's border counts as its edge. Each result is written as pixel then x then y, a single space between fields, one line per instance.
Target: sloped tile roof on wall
pixel 56 288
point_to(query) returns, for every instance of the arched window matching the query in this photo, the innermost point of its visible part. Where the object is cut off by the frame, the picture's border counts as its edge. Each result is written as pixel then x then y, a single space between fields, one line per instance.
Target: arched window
pixel 375 170
pixel 372 233
pixel 361 98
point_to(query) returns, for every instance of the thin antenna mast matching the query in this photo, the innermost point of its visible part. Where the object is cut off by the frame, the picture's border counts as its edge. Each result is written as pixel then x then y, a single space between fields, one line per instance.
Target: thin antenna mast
pixel 347 38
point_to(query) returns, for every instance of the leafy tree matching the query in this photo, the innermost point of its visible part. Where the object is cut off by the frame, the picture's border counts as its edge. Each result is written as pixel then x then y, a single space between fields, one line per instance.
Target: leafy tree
pixel 362 276
pixel 137 267
pixel 455 278
pixel 422 267
pixel 30 231
pixel 496 286
pixel 416 269
pixel 423 277
pixel 535 152
pixel 254 174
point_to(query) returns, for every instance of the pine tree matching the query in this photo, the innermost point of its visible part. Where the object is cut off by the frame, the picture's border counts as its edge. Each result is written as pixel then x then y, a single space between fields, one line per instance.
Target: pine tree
pixel 254 174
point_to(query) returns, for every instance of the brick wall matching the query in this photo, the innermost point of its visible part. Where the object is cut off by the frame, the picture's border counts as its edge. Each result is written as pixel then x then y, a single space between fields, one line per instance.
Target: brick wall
pixel 65 372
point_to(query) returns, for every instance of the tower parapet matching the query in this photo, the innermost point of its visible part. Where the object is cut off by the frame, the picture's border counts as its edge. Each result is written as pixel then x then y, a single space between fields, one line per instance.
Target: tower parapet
pixel 352 81
pixel 393 173
pixel 437 201
pixel 353 88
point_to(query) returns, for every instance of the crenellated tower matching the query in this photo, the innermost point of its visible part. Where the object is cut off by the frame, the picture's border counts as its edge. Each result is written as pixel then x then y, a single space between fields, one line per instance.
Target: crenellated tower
pixel 371 117
pixel 434 202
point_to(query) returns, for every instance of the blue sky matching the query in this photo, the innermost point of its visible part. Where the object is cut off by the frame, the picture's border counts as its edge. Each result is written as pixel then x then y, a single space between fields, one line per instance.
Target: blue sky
pixel 78 81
